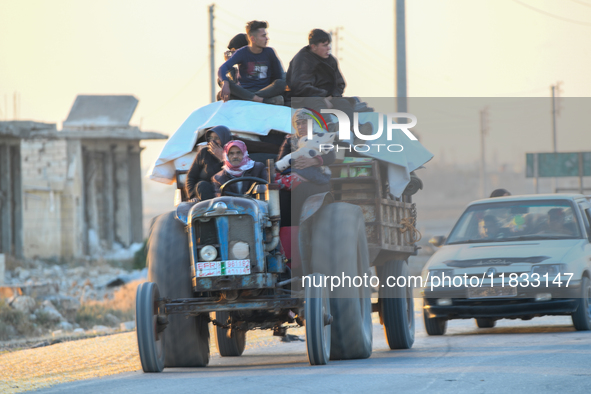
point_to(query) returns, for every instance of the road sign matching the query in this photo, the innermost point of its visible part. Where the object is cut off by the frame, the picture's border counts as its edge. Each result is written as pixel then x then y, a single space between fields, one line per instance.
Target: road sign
pixel 555 165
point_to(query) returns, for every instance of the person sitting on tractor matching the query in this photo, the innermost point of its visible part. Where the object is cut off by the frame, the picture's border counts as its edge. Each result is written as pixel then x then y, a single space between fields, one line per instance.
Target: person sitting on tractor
pixel 237 164
pixel 207 163
pixel 261 76
pixel 237 42
pixel 314 80
pixel 310 168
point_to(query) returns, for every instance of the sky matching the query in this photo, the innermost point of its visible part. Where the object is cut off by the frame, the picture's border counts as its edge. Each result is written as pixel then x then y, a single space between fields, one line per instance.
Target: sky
pixel 53 50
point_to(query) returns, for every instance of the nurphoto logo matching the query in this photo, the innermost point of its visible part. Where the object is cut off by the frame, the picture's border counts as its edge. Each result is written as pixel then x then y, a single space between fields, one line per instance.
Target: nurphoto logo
pixel 345 130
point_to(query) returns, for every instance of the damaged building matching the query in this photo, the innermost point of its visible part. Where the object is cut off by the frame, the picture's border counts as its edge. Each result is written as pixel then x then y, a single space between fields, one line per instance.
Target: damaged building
pixel 77 191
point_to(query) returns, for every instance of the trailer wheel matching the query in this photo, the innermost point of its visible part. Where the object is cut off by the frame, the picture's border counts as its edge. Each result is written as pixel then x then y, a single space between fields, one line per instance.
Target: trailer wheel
pixel 397 305
pixel 339 248
pixel 150 342
pixel 318 321
pixel 232 346
pixel 169 266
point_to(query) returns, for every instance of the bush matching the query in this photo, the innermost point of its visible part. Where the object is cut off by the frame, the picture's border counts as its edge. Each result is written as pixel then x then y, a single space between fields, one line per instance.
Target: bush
pixel 17 319
pixel 93 314
pixel 44 320
pixel 140 257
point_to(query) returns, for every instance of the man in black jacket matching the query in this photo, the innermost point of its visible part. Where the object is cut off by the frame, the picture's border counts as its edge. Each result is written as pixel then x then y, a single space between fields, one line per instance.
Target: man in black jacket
pixel 314 72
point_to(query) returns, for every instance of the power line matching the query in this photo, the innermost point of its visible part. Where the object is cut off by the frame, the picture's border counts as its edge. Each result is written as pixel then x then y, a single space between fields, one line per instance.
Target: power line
pixel 295 33
pixel 361 45
pixel 552 15
pixel 581 2
pixel 179 92
pixel 228 24
pixel 243 20
pixel 239 18
pixel 364 73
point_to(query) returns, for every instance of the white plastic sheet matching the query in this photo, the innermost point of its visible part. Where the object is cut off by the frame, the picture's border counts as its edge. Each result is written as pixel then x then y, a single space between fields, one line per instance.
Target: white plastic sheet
pixel 255 118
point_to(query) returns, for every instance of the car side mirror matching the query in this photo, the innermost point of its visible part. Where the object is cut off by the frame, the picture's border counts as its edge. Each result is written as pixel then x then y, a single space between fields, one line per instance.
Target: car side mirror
pixel 438 240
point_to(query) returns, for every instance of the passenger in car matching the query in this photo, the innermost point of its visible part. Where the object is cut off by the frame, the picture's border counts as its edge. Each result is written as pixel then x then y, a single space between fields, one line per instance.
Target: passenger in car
pixel 500 193
pixel 556 223
pixel 489 227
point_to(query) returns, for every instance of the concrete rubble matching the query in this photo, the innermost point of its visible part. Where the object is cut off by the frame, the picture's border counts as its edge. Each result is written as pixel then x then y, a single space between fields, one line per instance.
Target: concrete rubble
pixel 51 295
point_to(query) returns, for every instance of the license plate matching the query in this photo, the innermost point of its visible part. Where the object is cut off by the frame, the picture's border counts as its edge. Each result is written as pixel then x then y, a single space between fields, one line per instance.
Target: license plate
pixel 220 268
pixel 489 292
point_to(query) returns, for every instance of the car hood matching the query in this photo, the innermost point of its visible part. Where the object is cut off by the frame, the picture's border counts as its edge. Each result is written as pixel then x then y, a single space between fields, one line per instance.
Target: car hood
pixel 501 254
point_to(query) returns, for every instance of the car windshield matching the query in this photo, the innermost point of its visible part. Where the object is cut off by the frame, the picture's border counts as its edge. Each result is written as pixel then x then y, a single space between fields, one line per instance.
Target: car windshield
pixel 516 221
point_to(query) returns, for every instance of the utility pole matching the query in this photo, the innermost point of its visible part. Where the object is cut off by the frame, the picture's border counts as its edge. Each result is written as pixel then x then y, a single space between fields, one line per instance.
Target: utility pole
pixel 400 43
pixel 483 133
pixel 211 52
pixel 555 90
pixel 336 43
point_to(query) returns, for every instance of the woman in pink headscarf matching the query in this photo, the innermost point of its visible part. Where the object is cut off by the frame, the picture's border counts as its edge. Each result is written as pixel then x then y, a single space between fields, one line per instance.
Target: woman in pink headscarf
pixel 237 164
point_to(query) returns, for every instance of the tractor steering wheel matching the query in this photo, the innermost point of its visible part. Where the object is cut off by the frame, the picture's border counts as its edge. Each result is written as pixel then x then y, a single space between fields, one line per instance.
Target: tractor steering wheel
pixel 254 179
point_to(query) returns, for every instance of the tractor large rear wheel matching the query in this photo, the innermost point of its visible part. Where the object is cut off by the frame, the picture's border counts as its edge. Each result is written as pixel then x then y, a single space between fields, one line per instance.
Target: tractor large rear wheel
pixel 339 249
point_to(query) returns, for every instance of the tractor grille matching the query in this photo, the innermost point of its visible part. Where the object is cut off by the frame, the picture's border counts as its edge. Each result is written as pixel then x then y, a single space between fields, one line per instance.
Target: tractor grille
pixel 241 228
pixel 206 233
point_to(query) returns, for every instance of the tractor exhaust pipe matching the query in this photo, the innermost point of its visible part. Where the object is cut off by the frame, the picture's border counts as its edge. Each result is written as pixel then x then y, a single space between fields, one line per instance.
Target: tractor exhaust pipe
pixel 272 198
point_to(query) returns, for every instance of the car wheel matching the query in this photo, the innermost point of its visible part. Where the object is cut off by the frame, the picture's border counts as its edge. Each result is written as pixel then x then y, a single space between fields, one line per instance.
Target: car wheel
pixel 582 316
pixel 434 325
pixel 485 322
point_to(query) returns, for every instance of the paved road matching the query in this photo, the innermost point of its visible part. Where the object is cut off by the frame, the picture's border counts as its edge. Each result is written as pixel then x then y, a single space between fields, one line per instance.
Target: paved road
pixel 544 355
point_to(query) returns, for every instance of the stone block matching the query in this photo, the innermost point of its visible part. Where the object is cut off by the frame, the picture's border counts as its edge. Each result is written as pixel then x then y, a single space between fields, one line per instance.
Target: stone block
pixel 24 304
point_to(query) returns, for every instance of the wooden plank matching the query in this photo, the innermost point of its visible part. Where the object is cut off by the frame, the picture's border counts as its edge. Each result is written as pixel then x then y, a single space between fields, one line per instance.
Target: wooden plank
pixel 359 179
pixel 396 203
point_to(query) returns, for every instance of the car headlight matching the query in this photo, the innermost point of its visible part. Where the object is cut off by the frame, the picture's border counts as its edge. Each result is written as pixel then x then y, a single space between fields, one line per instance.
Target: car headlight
pixel 208 253
pixel 240 250
pixel 551 269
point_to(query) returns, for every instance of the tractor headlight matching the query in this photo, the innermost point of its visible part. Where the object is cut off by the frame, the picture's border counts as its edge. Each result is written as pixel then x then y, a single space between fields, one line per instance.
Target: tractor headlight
pixel 208 253
pixel 240 250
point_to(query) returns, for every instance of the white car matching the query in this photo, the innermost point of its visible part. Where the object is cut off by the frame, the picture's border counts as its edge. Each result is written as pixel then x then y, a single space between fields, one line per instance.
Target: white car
pixel 514 257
